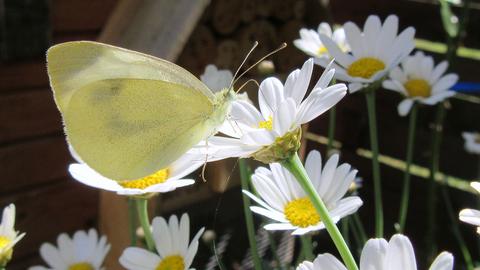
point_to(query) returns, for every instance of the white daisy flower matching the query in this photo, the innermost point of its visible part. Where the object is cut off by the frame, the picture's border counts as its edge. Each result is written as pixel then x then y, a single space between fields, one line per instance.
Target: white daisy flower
pixel 283 108
pixel 283 200
pixel 418 80
pixel 171 242
pixel 165 180
pixel 472 216
pixel 374 52
pixel 472 142
pixel 85 251
pixel 311 44
pixel 378 254
pixel 8 236
pixel 216 79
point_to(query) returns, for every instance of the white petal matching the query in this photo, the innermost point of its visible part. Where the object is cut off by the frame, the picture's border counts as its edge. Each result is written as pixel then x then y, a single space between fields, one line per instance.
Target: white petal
pixel 373 255
pixel 346 206
pixel 134 258
pixel 438 72
pixel 445 83
pixel 444 261
pixel 400 254
pixel 86 175
pixel 470 216
pixel 284 117
pixel 328 262
pixel 299 88
pixel 355 40
pixel 405 106
pixel 270 95
pixel 279 227
pixel 333 49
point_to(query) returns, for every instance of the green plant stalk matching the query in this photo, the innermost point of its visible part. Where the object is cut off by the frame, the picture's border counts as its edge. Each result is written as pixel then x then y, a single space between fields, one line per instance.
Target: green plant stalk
pixel 432 189
pixel 142 209
pixel 294 165
pixel 307 247
pixel 456 230
pixel 377 185
pixel 361 230
pixel 132 224
pixel 344 224
pixel 331 129
pixel 402 216
pixel 245 178
pixel 273 249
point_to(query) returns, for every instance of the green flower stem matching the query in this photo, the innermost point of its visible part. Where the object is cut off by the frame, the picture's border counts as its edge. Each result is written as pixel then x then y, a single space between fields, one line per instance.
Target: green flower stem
pixel 142 209
pixel 456 230
pixel 294 165
pixel 273 249
pixel 402 216
pixel 132 224
pixel 372 123
pixel 361 230
pixel 331 129
pixel 432 188
pixel 245 178
pixel 344 224
pixel 307 247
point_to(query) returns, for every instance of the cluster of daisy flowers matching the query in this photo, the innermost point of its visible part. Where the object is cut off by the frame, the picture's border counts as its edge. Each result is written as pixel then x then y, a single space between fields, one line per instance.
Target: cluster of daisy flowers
pixel 379 54
pixel 375 55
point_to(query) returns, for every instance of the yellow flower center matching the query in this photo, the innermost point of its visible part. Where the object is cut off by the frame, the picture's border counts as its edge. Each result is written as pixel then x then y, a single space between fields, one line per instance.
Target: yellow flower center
pixel 267 124
pixel 417 88
pixel 301 213
pixel 142 183
pixel 81 266
pixel 174 262
pixel 4 241
pixel 365 67
pixel 322 50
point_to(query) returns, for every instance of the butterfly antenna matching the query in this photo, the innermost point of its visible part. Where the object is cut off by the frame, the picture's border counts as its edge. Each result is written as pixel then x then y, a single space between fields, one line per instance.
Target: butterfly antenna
pixel 255 44
pixel 247 82
pixel 283 46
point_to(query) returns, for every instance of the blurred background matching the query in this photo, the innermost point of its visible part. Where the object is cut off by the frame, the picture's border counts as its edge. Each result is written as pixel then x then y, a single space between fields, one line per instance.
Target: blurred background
pixel 34 156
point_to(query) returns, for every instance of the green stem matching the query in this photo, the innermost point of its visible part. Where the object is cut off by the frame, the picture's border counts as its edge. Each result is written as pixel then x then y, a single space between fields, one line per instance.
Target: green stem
pixel 456 230
pixel 273 249
pixel 331 129
pixel 307 247
pixel 432 189
pixel 361 230
pixel 245 178
pixel 372 123
pixel 402 217
pixel 142 209
pixel 294 165
pixel 344 223
pixel 132 224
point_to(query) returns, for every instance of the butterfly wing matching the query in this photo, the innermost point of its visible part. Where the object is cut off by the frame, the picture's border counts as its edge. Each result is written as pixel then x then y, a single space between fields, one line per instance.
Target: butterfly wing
pixel 126 114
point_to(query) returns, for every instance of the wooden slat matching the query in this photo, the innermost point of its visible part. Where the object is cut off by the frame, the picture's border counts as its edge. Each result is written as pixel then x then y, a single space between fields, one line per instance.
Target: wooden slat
pixel 32 74
pixel 28 114
pixel 159 28
pixel 33 163
pixel 73 15
pixel 45 212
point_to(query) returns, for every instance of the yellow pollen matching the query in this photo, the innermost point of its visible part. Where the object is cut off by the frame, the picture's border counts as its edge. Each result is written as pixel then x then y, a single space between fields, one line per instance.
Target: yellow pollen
pixel 365 67
pixel 301 213
pixel 322 50
pixel 173 262
pixel 142 183
pixel 81 266
pixel 267 124
pixel 417 88
pixel 4 241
